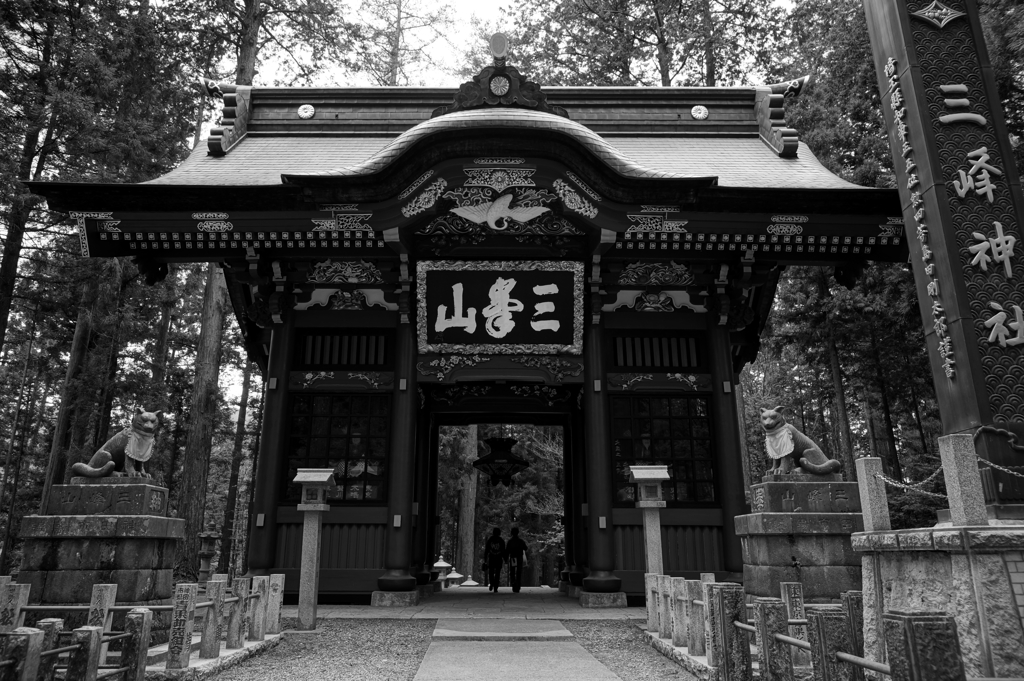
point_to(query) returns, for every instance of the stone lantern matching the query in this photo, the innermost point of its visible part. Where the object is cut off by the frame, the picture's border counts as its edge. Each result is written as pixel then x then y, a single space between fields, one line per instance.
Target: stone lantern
pixel 313 504
pixel 648 481
pixel 442 571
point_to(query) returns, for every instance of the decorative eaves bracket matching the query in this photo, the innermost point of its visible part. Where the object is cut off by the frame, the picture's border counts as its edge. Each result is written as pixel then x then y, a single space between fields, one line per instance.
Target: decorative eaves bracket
pixel 769 102
pixel 235 115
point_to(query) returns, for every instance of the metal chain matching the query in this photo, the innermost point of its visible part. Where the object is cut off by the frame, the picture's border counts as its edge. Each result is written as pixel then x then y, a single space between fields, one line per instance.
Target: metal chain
pixel 1001 468
pixel 913 488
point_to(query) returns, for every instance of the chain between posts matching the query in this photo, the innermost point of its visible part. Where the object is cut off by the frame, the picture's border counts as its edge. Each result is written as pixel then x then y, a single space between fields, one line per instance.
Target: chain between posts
pixel 913 487
pixel 1001 468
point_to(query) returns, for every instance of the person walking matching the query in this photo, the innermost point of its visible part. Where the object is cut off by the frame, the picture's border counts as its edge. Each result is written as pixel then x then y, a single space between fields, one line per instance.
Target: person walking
pixel 518 552
pixel 495 556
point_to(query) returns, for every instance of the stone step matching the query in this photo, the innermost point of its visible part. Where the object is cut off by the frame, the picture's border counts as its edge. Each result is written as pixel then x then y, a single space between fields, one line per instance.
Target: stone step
pixel 481 629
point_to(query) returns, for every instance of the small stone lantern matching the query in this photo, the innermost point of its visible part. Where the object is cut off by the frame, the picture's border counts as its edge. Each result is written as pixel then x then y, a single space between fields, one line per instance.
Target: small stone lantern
pixel 313 504
pixel 442 569
pixel 648 482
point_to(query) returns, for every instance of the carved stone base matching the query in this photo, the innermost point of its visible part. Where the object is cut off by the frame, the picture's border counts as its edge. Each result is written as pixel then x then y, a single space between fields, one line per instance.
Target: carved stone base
pixel 602 600
pixel 800 532
pixel 394 599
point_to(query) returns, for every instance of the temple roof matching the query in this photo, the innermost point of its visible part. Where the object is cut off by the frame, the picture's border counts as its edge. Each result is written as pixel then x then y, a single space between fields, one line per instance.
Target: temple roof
pixel 638 132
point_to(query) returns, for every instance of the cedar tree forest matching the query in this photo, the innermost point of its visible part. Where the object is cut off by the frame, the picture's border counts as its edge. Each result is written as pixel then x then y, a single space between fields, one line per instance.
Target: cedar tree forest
pixel 103 91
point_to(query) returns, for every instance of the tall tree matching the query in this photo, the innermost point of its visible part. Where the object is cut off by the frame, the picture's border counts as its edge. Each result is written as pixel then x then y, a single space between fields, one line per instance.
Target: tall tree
pixel 398 34
pixel 205 395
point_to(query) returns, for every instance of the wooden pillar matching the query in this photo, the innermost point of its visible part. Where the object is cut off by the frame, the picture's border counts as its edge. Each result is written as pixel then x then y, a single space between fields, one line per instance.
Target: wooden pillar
pixel 270 468
pixel 727 443
pixel 430 518
pixel 421 561
pixel 598 466
pixel 399 532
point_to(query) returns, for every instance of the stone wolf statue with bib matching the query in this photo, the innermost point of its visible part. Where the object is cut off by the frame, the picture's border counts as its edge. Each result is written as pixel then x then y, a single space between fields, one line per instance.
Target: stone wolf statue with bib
pixel 125 453
pixel 791 451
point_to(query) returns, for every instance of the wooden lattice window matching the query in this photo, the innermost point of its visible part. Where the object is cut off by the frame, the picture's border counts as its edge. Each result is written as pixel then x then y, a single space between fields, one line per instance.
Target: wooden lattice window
pixel 349 433
pixel 325 349
pixel 657 352
pixel 672 431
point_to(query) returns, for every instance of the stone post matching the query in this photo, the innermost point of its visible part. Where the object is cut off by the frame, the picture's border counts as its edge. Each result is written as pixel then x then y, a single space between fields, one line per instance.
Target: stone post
pixel 695 642
pixel 678 611
pixel 653 601
pixel 664 606
pixel 922 646
pixel 84 662
pixel 258 620
pixel 138 622
pixel 13 598
pixel 274 604
pixel 853 606
pixel 874 503
pixel 728 647
pixel 209 646
pixel 315 483
pixel 793 598
pixel 22 647
pixel 103 598
pixel 237 616
pixel 648 481
pixel 827 629
pixel 963 481
pixel 51 628
pixel 775 659
pixel 179 642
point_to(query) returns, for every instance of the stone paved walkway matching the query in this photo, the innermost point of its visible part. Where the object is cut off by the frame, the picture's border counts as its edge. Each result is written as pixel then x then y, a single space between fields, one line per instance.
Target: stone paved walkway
pixel 539 635
pixel 473 602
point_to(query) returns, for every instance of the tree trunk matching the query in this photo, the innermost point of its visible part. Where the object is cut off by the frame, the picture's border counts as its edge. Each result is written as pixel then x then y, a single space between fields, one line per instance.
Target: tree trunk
pixel 872 436
pixel 203 414
pixel 896 470
pixel 251 474
pixel 249 44
pixel 396 46
pixel 238 453
pixel 710 67
pixel 844 443
pixel 466 561
pixel 58 462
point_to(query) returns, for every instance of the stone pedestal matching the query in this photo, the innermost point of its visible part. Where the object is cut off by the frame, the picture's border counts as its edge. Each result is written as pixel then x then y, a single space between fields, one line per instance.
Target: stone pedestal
pixel 101 531
pixel 800 532
pixel 975 574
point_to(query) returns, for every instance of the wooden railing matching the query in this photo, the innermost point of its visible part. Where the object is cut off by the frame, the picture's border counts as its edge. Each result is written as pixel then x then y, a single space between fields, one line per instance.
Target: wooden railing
pixel 250 606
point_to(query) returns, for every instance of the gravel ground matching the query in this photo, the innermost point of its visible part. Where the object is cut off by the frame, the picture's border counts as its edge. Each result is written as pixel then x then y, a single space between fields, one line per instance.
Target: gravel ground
pixel 621 647
pixel 345 650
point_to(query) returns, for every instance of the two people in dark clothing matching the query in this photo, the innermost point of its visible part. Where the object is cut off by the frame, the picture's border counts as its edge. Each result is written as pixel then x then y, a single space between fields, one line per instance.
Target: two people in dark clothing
pixel 497 553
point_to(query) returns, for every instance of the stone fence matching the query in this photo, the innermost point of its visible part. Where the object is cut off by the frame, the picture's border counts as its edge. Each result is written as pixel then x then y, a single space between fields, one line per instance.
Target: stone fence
pixel 246 610
pixel 705 626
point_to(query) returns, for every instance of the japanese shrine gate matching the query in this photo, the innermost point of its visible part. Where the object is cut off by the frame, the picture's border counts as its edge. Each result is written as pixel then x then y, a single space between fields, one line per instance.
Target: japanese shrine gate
pixel 599 258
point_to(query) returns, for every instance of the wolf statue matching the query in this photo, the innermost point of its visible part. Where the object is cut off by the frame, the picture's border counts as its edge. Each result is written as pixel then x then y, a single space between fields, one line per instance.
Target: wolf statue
pixel 126 452
pixel 791 451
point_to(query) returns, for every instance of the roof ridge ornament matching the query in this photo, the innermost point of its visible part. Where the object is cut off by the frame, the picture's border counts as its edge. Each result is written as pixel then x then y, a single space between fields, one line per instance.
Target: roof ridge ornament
pixel 771 115
pixel 234 116
pixel 500 85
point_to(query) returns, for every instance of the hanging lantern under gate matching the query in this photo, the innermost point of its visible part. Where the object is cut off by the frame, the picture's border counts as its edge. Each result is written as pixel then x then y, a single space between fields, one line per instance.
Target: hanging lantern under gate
pixel 501 464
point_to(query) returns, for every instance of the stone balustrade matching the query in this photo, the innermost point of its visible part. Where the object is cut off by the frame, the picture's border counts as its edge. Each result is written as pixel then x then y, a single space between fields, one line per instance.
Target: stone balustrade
pixel 250 608
pixel 714 639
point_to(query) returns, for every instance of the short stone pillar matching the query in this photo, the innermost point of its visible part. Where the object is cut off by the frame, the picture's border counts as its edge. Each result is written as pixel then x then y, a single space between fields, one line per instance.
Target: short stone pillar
pixel 963 481
pixel 315 483
pixel 799 531
pixel 648 481
pixel 874 502
pixel 923 647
